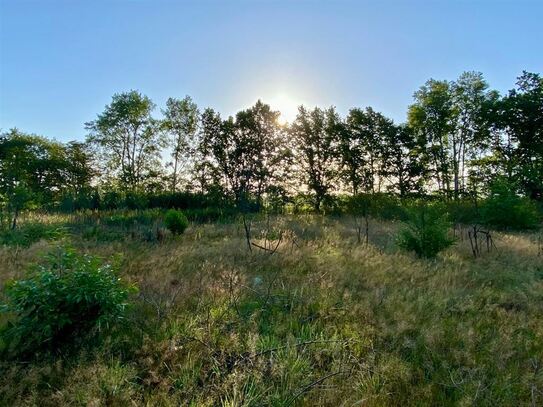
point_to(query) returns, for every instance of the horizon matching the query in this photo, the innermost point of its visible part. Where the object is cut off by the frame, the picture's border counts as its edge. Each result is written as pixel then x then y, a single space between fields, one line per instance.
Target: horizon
pixel 68 58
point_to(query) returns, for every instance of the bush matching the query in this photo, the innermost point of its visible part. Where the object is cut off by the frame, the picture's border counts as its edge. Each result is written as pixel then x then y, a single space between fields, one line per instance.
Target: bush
pixel 426 231
pixel 211 214
pixel 29 233
pixel 134 200
pixel 176 221
pixel 360 205
pixel 112 200
pixel 67 296
pixel 504 209
pixel 387 207
pixel 463 211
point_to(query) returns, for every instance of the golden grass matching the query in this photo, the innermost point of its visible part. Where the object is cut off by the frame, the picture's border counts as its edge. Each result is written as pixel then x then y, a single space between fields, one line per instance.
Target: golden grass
pixel 322 322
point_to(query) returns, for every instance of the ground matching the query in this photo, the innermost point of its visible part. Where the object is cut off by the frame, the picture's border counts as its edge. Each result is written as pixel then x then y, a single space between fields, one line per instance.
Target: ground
pixel 322 321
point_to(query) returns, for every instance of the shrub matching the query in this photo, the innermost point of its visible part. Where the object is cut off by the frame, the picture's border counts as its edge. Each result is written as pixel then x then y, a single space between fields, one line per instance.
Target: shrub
pixel 387 207
pixel 211 214
pixel 462 211
pixel 67 296
pixel 112 200
pixel 504 209
pixel 176 221
pixel 361 205
pixel 101 234
pixel 134 200
pixel 426 231
pixel 29 233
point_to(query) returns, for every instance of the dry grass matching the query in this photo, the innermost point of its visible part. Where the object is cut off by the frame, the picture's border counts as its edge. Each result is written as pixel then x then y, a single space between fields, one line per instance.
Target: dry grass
pixel 323 321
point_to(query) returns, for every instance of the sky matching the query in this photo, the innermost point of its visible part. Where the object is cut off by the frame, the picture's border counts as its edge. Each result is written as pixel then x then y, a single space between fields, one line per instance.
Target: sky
pixel 61 61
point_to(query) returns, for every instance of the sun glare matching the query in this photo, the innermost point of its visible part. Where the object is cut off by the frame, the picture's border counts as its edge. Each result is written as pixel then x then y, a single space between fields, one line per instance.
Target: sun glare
pixel 287 106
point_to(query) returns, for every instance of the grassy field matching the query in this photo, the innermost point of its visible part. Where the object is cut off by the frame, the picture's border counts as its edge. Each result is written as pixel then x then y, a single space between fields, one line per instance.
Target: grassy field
pixel 322 321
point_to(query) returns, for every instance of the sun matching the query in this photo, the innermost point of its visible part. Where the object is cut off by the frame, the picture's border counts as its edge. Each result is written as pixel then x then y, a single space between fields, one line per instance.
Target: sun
pixel 286 105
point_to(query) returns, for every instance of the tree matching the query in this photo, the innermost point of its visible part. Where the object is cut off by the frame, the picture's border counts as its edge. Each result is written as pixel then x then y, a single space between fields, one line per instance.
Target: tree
pixel 520 119
pixel 243 154
pixel 403 165
pixel 432 118
pixel 210 163
pixel 129 139
pixel 181 123
pixel 362 151
pixel 35 170
pixel 353 152
pixel 471 136
pixel 79 170
pixel 315 147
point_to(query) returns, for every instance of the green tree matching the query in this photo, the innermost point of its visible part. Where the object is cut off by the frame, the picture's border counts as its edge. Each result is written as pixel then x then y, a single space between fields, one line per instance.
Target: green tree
pixel 315 138
pixel 242 154
pixel 362 149
pixel 519 118
pixel 35 170
pixel 181 124
pixel 471 136
pixel 129 139
pixel 403 166
pixel 432 118
pixel 210 163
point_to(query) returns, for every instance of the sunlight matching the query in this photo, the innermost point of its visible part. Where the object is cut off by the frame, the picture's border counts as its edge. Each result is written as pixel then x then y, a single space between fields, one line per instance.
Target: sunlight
pixel 286 105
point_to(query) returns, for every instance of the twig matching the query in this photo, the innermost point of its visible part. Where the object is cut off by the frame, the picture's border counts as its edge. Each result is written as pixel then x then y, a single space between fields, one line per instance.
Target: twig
pixel 297 345
pixel 310 386
pixel 271 251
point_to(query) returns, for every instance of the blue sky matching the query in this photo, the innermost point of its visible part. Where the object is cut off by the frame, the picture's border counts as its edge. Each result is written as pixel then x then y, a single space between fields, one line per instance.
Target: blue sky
pixel 61 61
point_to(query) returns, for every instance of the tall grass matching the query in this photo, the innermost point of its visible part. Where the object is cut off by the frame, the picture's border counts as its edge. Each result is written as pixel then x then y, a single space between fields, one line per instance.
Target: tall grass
pixel 321 321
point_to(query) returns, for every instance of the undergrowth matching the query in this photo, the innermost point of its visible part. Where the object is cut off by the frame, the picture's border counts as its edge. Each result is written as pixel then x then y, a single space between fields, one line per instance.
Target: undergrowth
pixel 320 321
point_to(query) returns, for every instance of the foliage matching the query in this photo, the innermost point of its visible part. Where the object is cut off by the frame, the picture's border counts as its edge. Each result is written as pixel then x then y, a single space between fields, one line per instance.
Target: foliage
pixel 211 214
pixel 518 121
pixel 31 232
pixel 129 140
pixel 36 170
pixel 246 152
pixel 68 296
pixel 432 118
pixel 505 209
pixel 360 205
pixel 323 317
pixel 181 123
pixel 362 148
pixel 315 136
pixel 176 221
pixel 426 231
pixel 459 137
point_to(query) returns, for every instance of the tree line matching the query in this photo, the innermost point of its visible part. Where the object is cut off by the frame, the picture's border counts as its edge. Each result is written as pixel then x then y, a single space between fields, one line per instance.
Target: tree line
pixel 459 137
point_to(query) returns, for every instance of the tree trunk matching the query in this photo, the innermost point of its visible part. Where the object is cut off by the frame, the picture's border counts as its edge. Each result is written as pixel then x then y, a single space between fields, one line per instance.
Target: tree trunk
pixel 15 217
pixel 174 177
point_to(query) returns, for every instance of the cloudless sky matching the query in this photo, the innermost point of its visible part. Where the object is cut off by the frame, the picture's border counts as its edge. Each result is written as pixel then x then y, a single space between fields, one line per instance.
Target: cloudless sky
pixel 61 61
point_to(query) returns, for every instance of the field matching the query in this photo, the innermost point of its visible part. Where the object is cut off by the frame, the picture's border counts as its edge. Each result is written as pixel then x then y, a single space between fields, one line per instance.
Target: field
pixel 317 319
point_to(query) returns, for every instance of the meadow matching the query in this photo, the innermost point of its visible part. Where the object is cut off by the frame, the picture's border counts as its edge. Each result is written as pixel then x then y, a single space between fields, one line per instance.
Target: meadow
pixel 309 317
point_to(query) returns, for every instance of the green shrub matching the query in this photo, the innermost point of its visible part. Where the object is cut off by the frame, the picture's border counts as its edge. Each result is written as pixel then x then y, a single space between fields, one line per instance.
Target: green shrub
pixel 504 209
pixel 112 200
pixel 101 234
pixel 387 206
pixel 211 214
pixel 462 211
pixel 134 200
pixel 359 205
pixel 65 298
pixel 29 233
pixel 176 221
pixel 426 231
pixel 128 219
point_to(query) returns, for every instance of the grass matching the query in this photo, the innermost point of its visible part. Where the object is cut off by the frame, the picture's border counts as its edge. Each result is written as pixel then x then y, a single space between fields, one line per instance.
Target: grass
pixel 323 321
